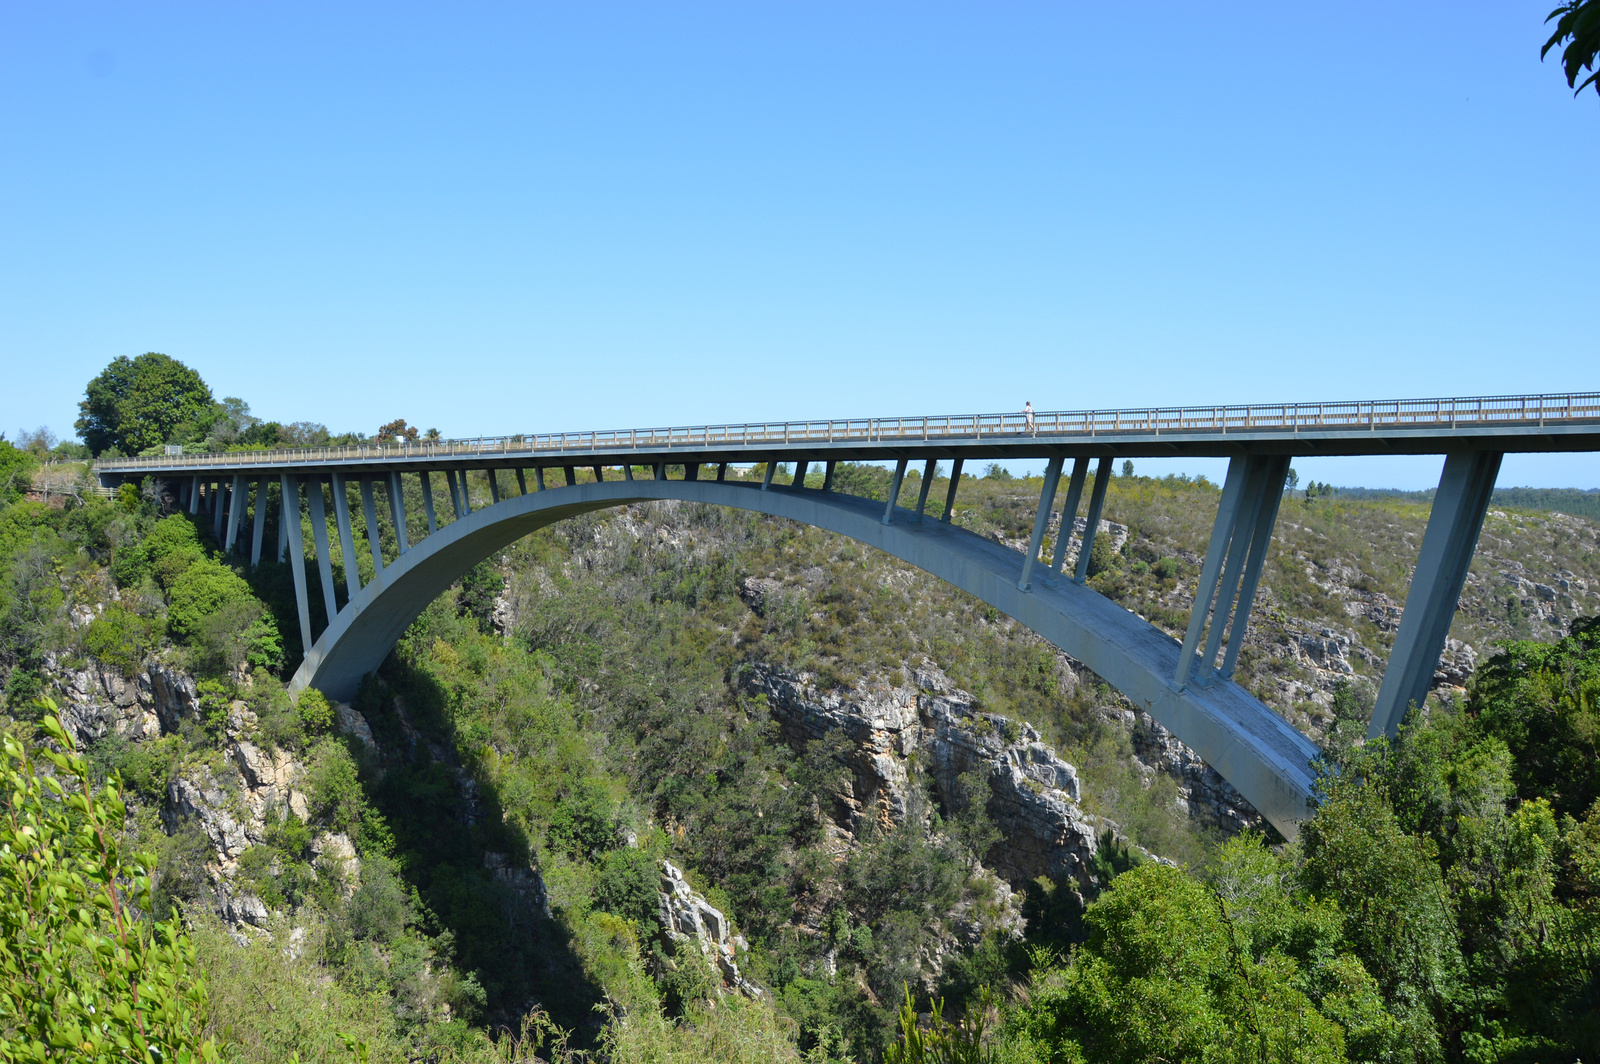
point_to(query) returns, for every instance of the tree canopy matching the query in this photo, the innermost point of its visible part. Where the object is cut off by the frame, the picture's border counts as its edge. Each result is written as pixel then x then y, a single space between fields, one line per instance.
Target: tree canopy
pixel 1578 28
pixel 143 402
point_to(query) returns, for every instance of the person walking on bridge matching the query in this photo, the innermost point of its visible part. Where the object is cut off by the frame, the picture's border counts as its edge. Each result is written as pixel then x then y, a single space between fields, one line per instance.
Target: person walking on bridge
pixel 1027 413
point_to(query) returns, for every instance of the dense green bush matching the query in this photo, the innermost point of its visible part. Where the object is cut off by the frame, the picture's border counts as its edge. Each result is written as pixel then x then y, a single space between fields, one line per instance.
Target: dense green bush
pixel 333 787
pixel 120 639
pixel 215 611
pixel 16 469
pixel 1543 701
pixel 81 977
pixel 165 553
pixel 314 712
pixel 626 883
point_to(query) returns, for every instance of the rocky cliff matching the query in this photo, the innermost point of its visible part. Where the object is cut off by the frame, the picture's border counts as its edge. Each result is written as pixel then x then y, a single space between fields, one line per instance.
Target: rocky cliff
pixel 1034 794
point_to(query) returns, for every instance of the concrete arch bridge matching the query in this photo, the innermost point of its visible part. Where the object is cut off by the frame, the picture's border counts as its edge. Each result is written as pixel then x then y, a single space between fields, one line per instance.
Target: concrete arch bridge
pixel 1187 686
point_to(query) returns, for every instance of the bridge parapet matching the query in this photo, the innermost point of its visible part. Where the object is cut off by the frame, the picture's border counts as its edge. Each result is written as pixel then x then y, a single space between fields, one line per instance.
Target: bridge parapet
pixel 1554 422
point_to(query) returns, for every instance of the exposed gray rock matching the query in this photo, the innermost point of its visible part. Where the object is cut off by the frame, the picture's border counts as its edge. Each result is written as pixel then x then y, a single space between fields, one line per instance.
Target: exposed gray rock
pixel 203 799
pixel 1201 789
pixel 351 722
pixel 1034 793
pixel 686 916
pixel 759 592
pixel 1456 664
pixel 98 700
pixel 336 857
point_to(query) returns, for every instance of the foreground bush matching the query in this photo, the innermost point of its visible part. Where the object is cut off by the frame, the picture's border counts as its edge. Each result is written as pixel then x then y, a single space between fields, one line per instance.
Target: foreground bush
pixel 82 976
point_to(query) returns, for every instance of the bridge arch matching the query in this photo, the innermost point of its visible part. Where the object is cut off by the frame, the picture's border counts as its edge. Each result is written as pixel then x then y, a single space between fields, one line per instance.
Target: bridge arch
pixel 1265 758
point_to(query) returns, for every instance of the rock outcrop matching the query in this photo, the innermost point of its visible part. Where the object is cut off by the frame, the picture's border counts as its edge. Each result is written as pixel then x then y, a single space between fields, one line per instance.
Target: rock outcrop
pixel 1202 792
pixel 687 918
pixel 98 700
pixel 1034 794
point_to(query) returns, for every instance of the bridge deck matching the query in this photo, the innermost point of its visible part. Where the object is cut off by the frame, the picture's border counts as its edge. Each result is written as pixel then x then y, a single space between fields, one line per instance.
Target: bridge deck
pixel 1565 422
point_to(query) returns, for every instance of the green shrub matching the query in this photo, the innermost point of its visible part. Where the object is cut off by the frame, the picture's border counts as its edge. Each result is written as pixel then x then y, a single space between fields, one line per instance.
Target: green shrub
pixel 79 977
pixel 314 712
pixel 1102 556
pixel 199 592
pixel 625 885
pixel 16 469
pixel 584 820
pixel 171 547
pixel 147 768
pixel 333 788
pixel 214 610
pixel 120 638
pixel 480 586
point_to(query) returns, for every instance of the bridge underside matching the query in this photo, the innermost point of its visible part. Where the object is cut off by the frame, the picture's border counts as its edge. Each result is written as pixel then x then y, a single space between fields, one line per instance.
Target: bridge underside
pixel 1258 752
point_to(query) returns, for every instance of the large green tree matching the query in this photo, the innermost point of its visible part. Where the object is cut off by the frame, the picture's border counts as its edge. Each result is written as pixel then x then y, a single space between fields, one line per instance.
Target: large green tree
pixel 143 402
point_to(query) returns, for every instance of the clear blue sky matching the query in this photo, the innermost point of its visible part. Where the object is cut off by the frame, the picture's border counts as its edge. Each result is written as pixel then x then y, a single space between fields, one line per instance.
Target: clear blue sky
pixel 528 217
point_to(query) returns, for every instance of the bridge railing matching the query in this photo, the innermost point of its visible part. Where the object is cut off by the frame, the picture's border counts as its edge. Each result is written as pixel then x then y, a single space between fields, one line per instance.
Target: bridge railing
pixel 1222 420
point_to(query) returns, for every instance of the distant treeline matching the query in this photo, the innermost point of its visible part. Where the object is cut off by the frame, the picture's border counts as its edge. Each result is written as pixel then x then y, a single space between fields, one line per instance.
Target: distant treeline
pixel 1578 502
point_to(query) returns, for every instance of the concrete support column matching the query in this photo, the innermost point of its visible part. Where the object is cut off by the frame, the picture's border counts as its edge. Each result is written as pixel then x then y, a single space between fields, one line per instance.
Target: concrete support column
pixel 766 480
pixel 194 495
pixel 1238 546
pixel 283 524
pixel 238 501
pixel 800 468
pixel 347 539
pixel 218 510
pixel 894 490
pixel 599 474
pixel 494 488
pixel 827 475
pixel 1097 502
pixel 722 472
pixel 1447 548
pixel 1069 511
pixel 290 515
pixel 1221 532
pixel 319 536
pixel 369 510
pixel 538 476
pixel 427 499
pixel 927 482
pixel 258 530
pixel 466 494
pixel 522 482
pixel 572 475
pixel 627 471
pixel 950 495
pixel 1277 471
pixel 397 510
pixel 455 498
pixel 1041 520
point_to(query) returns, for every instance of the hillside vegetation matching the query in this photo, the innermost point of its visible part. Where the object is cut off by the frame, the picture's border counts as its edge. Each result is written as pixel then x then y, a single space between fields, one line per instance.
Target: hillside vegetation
pixel 682 783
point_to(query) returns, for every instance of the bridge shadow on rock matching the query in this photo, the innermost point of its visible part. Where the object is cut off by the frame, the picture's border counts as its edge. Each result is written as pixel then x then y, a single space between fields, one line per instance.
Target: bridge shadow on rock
pixel 472 868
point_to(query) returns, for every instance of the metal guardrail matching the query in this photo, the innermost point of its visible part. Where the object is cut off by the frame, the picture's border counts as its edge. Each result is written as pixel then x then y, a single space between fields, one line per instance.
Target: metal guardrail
pixel 1532 410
